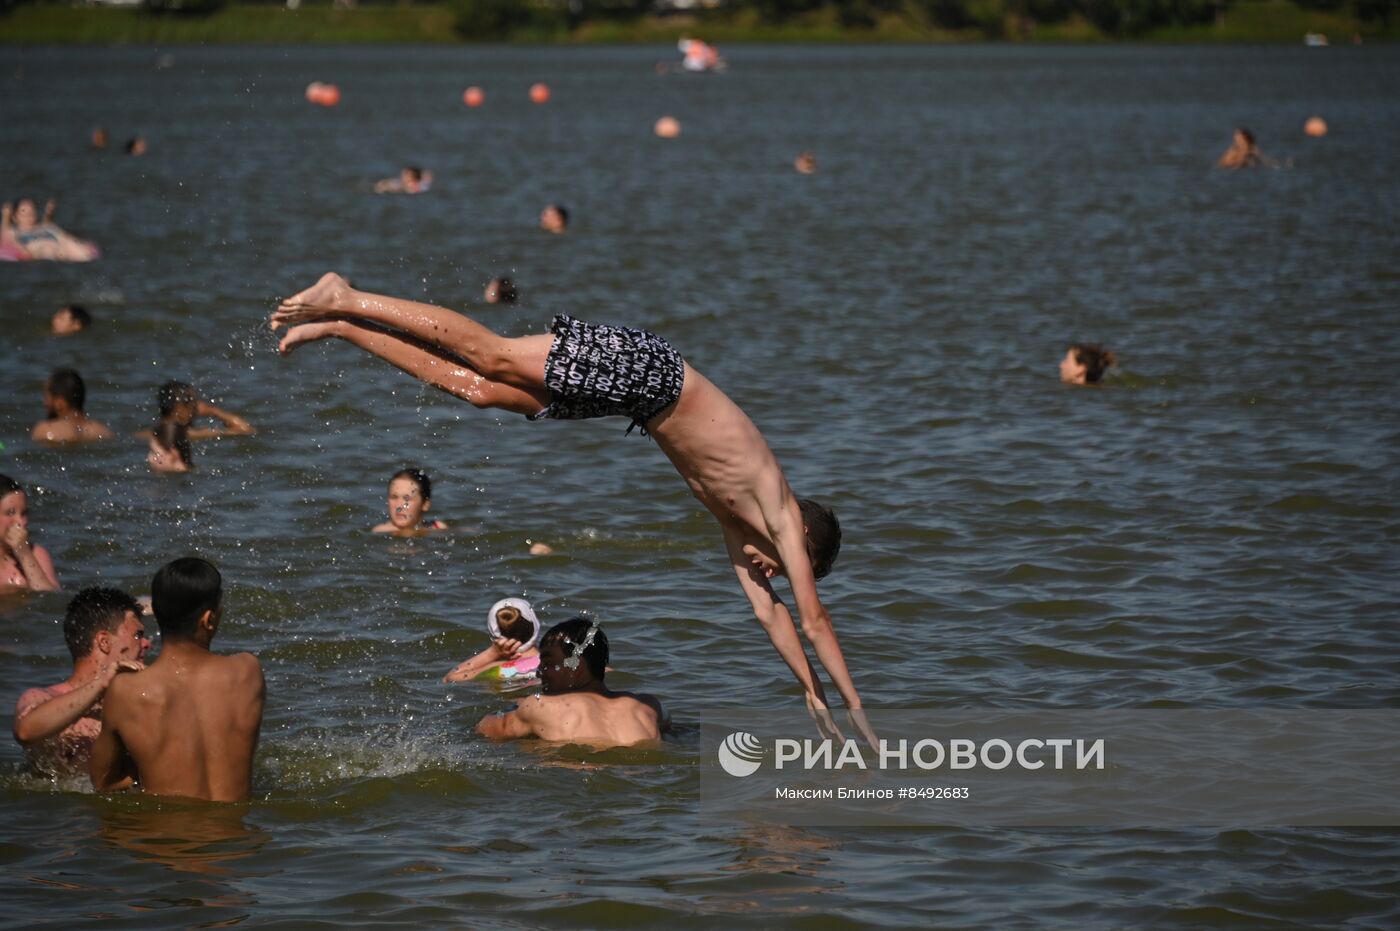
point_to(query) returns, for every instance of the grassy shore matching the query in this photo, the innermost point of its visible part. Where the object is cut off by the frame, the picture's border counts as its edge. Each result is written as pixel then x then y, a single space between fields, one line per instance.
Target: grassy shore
pixel 1246 21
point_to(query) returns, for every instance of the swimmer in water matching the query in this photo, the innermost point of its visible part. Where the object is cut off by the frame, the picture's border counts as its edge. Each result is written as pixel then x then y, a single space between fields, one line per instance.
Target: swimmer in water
pixel 513 653
pixel 554 219
pixel 23 565
pixel 67 422
pixel 169 443
pixel 136 145
pixel 22 229
pixel 411 180
pixel 575 705
pixel 58 724
pixel 500 291
pixel 1244 153
pixel 583 370
pixel 1085 364
pixel 805 163
pixel 410 496
pixel 69 320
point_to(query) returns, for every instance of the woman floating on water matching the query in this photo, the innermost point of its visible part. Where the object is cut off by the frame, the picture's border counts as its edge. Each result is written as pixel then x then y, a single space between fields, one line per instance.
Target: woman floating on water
pixel 24 236
pixel 514 631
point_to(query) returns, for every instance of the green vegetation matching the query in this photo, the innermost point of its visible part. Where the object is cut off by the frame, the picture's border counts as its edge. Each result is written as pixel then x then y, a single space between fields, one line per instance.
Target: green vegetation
pixel 172 22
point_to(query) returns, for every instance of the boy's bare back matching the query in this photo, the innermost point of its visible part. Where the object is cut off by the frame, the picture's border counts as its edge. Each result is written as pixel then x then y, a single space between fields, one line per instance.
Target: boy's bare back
pixel 615 719
pixel 188 724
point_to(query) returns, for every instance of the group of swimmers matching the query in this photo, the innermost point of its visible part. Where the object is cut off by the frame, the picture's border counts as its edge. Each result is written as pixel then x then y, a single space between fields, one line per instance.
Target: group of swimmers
pixel 188 724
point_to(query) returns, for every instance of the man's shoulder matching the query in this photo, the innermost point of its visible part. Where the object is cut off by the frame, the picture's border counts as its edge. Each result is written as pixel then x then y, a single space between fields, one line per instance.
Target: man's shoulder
pixel 30 699
pixel 239 667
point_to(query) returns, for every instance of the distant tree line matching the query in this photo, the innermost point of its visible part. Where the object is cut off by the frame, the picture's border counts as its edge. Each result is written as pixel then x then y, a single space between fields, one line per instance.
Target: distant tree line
pixel 501 19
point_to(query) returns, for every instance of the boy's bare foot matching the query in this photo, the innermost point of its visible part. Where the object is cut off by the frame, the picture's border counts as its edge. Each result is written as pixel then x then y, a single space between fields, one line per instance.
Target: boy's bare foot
pixel 305 333
pixel 329 297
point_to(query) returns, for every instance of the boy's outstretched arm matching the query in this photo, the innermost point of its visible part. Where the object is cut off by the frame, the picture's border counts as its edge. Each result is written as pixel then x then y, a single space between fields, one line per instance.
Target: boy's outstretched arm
pixel 773 615
pixel 789 538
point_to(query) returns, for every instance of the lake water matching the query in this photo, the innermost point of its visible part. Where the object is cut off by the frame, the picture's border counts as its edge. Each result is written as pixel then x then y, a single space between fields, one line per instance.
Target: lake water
pixel 1217 527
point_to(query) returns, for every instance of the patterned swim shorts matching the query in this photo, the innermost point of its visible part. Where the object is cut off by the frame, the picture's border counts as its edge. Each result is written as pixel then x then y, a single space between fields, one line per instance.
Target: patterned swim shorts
pixel 594 370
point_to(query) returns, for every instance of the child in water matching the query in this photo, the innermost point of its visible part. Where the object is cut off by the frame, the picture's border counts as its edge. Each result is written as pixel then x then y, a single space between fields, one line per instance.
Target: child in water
pixel 179 405
pixel 512 654
pixel 23 565
pixel 1084 364
pixel 410 496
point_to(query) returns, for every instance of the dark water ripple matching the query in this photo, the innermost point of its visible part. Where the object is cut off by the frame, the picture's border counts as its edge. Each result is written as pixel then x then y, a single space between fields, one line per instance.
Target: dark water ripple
pixel 1218 527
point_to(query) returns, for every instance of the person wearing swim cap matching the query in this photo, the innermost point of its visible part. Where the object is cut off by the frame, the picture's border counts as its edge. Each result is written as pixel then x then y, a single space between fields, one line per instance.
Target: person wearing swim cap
pixel 582 370
pixel 574 704
pixel 513 654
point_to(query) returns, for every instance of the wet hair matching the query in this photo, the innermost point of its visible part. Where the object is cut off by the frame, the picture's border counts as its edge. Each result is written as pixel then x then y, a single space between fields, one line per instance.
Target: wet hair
pixel 1246 134
pixel 418 477
pixel 823 535
pixel 67 385
pixel 180 594
pixel 79 314
pixel 91 610
pixel 574 631
pixel 505 290
pixel 9 486
pixel 176 438
pixel 174 393
pixel 517 628
pixel 1095 359
pixel 414 172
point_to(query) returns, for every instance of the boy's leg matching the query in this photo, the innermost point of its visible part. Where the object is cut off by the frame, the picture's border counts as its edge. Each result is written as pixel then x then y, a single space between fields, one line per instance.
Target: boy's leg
pixel 424 362
pixel 517 362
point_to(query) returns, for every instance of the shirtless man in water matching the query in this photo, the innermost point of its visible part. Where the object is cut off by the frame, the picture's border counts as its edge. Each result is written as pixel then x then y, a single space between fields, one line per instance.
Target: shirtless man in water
pixel 574 704
pixel 581 370
pixel 189 723
pixel 58 724
pixel 65 396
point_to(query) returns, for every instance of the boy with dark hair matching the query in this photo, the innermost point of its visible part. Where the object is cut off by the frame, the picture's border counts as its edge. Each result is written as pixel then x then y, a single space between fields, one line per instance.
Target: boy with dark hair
pixel 574 704
pixel 582 370
pixel 65 397
pixel 69 320
pixel 105 635
pixel 189 724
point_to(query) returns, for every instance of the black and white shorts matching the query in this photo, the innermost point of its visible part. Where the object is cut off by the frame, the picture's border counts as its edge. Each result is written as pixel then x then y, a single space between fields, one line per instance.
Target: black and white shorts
pixel 594 370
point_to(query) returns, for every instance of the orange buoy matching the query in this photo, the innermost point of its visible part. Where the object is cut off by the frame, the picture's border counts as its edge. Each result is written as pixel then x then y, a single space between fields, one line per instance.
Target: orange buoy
pixel 1316 126
pixel 539 93
pixel 330 96
pixel 473 96
pixel 668 127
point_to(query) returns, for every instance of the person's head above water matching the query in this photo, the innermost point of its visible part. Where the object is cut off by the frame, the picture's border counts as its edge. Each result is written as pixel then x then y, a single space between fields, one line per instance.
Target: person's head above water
pixel 64 392
pixel 500 291
pixel 26 213
pixel 94 612
pixel 410 496
pixel 69 320
pixel 14 504
pixel 178 401
pixel 513 619
pixel 185 594
pixel 1085 363
pixel 1244 137
pixel 554 219
pixel 573 655
pixel 411 174
pixel 136 145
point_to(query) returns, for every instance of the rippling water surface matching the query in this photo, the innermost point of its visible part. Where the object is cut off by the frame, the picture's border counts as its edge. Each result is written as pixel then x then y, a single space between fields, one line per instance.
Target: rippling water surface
pixel 1217 527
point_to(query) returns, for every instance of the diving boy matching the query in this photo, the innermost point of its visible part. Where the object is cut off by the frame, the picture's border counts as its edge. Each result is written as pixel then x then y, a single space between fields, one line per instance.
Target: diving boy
pixel 582 370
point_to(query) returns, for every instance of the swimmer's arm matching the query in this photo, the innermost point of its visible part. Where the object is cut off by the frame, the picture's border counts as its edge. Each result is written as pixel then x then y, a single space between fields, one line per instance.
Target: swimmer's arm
pixel 470 669
pixel 506 725
pixel 39 719
pixel 771 613
pixel 233 425
pixel 111 767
